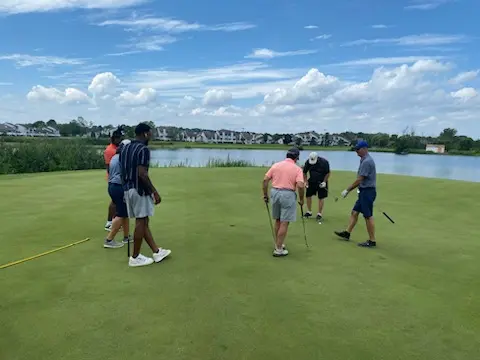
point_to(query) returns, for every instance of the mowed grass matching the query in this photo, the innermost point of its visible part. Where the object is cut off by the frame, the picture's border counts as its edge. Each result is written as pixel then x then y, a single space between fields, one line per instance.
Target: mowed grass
pixel 222 295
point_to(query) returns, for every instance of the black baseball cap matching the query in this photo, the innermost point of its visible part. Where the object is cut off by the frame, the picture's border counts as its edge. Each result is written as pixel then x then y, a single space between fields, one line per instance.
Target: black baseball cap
pixel 294 152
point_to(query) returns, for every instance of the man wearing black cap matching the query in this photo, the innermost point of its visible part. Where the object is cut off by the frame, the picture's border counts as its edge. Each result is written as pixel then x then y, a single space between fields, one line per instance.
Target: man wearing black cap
pixel 286 177
pixel 367 193
pixel 140 195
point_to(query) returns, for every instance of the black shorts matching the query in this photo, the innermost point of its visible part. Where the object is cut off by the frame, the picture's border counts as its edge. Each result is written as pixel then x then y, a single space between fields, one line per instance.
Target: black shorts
pixel 116 194
pixel 315 189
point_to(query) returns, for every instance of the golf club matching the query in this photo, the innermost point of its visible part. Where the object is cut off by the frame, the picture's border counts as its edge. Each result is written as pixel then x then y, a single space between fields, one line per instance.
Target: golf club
pixel 383 212
pixel 304 231
pixel 128 248
pixel 271 224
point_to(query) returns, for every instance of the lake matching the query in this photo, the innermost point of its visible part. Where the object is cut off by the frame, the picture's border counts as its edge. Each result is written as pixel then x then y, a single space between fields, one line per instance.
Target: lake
pixel 435 166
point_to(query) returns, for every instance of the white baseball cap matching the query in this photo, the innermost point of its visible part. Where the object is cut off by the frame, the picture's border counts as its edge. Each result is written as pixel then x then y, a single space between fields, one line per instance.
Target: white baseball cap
pixel 312 158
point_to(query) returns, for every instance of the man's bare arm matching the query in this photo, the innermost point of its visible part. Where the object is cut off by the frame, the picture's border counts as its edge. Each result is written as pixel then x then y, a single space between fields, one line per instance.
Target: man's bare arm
pixel 266 180
pixel 355 183
pixel 143 175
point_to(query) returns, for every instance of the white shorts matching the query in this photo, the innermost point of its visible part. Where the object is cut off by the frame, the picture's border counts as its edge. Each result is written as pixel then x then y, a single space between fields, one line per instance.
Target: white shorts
pixel 139 206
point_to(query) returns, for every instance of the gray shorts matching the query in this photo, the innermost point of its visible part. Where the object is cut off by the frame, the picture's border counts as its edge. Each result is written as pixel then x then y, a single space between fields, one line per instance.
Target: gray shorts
pixel 284 205
pixel 138 206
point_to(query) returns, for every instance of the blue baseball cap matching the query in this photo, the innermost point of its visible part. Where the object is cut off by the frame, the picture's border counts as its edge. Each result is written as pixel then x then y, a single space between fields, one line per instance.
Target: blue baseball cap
pixel 361 144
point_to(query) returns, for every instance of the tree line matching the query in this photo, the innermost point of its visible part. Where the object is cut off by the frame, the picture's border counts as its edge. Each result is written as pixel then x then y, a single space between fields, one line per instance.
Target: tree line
pixel 408 141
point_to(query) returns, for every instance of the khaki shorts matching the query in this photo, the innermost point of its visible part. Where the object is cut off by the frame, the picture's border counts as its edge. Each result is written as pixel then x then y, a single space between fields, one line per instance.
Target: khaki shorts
pixel 139 207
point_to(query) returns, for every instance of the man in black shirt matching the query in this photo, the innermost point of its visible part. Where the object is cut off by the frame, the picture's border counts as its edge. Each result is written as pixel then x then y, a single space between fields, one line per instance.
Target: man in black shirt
pixel 140 194
pixel 319 169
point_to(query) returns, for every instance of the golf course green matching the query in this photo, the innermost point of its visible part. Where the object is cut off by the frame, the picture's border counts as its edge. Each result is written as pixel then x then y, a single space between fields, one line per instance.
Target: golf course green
pixel 221 294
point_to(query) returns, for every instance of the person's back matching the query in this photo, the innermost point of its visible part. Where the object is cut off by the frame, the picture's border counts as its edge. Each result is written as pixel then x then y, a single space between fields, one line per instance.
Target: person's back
pixel 285 174
pixel 368 170
pixel 115 170
pixel 133 155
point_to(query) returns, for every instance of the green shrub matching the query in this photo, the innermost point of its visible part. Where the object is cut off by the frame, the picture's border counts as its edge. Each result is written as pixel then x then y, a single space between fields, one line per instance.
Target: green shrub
pixel 45 156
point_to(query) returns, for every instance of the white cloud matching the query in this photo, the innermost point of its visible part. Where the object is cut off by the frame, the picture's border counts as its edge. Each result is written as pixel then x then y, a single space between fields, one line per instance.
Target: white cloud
pixel 380 26
pixel 465 94
pixel 244 80
pixel 171 25
pixel 69 96
pixel 25 60
pixel 143 97
pixel 270 54
pixel 104 83
pixel 311 27
pixel 417 94
pixel 145 44
pixel 380 61
pixel 412 40
pixel 322 37
pixel 216 97
pixel 27 6
pixel 426 4
pixel 464 77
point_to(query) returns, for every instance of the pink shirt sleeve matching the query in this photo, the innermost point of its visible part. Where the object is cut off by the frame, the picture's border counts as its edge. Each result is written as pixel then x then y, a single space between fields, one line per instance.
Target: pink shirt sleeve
pixel 269 173
pixel 299 177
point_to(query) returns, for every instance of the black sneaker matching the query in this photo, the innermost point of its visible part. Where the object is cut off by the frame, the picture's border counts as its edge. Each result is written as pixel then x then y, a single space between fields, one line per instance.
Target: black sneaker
pixel 368 243
pixel 307 215
pixel 319 218
pixel 343 234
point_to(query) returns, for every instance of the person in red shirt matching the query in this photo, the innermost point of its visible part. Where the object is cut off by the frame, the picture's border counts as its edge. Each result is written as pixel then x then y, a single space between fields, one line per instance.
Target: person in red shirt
pixel 109 152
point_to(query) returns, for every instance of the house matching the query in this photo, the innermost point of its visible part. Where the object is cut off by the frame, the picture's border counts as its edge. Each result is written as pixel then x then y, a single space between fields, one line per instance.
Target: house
pixel 161 134
pixel 306 138
pixel 439 149
pixel 337 140
pixel 188 136
pixel 207 136
pixel 226 137
pixel 246 138
pixel 260 139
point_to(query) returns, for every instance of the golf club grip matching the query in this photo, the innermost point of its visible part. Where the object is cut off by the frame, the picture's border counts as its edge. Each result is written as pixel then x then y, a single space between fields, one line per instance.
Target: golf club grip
pixel 388 217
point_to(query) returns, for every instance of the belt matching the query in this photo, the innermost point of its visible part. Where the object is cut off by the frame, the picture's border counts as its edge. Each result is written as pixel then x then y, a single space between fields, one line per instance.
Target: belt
pixel 283 189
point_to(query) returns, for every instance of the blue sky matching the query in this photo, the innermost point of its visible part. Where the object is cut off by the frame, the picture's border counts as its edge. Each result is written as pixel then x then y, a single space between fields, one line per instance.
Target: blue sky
pixel 272 66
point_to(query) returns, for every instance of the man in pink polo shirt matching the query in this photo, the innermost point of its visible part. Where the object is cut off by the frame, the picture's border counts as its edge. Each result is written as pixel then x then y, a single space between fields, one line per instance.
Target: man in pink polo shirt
pixel 286 177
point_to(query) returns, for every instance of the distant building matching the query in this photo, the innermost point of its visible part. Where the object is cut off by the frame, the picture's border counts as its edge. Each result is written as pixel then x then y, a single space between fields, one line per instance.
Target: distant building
pixel 439 149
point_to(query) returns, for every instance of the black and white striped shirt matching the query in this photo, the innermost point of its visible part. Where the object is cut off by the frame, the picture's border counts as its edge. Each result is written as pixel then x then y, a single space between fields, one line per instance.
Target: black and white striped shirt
pixel 133 155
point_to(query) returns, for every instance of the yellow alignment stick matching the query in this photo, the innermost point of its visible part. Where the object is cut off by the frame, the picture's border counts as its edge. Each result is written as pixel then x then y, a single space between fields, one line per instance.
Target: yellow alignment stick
pixel 42 254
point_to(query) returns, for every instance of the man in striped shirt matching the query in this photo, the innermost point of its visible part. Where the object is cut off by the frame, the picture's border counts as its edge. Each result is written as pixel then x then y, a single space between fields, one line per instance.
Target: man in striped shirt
pixel 140 194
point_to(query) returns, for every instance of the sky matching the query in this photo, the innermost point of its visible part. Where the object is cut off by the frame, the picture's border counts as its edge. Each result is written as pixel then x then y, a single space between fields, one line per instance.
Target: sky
pixel 265 66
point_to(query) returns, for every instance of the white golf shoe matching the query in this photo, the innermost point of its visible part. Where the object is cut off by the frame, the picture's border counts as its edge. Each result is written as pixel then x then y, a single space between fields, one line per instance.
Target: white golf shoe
pixel 140 260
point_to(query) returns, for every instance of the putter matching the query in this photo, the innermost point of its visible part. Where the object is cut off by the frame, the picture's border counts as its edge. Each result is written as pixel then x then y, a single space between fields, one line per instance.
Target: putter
pixel 271 225
pixel 304 231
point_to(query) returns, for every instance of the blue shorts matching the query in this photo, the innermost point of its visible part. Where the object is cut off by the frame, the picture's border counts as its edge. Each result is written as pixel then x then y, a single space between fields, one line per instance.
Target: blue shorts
pixel 116 194
pixel 365 201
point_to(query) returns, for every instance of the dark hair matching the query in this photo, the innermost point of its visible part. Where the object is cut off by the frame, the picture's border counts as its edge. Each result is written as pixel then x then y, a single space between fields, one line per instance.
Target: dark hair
pixel 117 134
pixel 293 153
pixel 142 128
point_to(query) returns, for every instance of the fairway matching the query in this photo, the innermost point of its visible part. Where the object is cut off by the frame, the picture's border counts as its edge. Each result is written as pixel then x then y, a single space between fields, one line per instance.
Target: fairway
pixel 221 294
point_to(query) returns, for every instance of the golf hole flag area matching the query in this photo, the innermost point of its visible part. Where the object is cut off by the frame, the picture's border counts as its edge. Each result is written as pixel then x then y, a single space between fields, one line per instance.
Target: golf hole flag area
pixel 221 294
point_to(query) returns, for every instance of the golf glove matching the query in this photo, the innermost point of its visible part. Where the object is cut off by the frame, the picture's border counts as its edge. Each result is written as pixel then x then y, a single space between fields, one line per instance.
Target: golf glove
pixel 323 185
pixel 344 193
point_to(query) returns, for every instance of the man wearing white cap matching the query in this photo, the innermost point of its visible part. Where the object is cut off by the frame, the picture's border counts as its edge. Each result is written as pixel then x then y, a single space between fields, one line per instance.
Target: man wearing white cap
pixel 317 184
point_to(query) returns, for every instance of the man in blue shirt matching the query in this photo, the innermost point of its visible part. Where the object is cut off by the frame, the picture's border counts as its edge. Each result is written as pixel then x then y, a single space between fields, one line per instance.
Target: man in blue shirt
pixel 367 192
pixel 140 195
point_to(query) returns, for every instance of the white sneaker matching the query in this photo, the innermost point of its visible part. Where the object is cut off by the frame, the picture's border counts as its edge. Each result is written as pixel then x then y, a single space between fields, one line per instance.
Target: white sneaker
pixel 140 261
pixel 162 254
pixel 278 253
